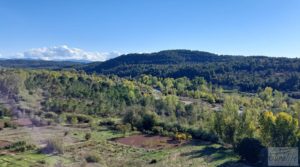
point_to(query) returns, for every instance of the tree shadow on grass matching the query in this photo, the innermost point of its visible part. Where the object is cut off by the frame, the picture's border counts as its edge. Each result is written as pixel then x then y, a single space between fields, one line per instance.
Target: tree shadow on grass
pixel 196 142
pixel 233 164
pixel 209 153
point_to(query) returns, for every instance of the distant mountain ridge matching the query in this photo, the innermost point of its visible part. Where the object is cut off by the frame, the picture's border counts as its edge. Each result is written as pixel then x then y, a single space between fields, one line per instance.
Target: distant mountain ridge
pixel 37 64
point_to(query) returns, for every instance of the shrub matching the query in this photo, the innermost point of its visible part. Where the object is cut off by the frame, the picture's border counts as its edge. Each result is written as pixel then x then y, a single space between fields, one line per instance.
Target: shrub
pixel 84 118
pixel 153 161
pixel 54 146
pixel 149 119
pixel 74 120
pixel 210 99
pixel 157 130
pixel 140 119
pixel 203 135
pixel 20 146
pixel 88 136
pixel 92 158
pixel 134 118
pixel 4 112
pixel 62 118
pixel 9 124
pixel 180 136
pixel 50 115
pixel 123 128
pixel 108 122
pixel 249 149
pixel 41 161
pixel 165 133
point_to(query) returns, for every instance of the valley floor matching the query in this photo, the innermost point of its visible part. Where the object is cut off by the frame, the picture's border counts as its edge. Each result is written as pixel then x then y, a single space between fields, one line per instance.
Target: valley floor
pixel 111 152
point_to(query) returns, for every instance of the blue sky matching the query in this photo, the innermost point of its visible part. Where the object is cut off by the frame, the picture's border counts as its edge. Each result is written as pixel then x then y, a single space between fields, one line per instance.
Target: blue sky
pixel 247 27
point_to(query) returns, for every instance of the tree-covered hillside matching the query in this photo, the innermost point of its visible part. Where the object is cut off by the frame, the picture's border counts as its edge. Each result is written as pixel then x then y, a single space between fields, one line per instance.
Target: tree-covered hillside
pixel 180 109
pixel 245 73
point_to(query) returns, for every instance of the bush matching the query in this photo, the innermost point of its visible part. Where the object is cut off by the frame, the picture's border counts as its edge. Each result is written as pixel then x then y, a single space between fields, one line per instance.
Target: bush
pixel 182 136
pixel 157 130
pixel 153 161
pixel 54 146
pixel 41 161
pixel 88 136
pixel 203 135
pixel 84 118
pixel 20 146
pixel 92 158
pixel 9 124
pixel 134 118
pixel 149 119
pixel 4 112
pixel 140 119
pixel 50 115
pixel 74 120
pixel 124 128
pixel 62 118
pixel 249 149
pixel 108 122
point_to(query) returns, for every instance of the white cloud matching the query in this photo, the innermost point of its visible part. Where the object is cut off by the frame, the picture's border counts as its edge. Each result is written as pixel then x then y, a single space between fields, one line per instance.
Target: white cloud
pixel 65 53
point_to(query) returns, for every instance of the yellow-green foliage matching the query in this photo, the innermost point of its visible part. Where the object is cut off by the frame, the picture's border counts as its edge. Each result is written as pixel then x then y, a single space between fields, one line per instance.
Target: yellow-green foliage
pixel 182 136
pixel 279 130
pixel 227 121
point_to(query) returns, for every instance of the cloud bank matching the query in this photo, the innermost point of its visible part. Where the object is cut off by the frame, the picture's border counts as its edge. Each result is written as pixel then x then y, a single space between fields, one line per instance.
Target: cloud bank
pixel 64 53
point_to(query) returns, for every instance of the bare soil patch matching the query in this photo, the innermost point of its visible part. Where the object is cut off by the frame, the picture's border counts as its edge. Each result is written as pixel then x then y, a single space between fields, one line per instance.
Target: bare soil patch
pixel 149 142
pixel 23 122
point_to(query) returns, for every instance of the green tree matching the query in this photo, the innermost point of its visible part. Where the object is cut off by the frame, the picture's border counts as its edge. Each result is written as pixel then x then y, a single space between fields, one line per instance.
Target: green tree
pixel 267 96
pixel 285 132
pixel 74 120
pixel 267 123
pixel 227 121
pixel 279 130
pixel 149 120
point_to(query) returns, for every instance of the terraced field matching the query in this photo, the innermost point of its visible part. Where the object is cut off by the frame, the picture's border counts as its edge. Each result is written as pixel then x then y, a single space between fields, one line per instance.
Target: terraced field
pixel 111 153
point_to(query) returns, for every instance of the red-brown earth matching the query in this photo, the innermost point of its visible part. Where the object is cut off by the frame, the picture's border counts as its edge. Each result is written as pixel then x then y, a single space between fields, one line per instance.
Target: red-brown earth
pixel 149 142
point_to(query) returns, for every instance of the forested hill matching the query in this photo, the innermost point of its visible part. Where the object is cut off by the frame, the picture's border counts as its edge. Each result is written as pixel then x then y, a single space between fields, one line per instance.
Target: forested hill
pixel 245 73
pixel 37 64
pixel 165 57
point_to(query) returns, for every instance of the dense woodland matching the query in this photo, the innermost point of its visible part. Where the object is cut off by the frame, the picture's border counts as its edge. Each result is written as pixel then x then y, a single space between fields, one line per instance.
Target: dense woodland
pixel 185 95
pixel 247 74
pixel 154 105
